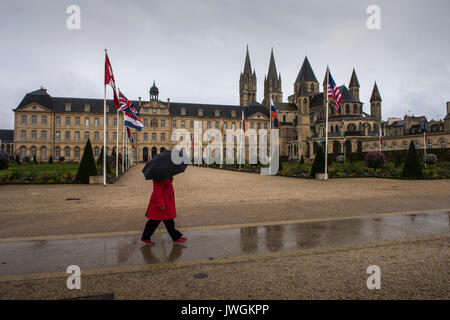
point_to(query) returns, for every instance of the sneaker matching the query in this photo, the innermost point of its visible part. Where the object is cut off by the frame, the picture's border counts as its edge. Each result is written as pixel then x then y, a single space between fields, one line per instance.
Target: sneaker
pixel 180 240
pixel 147 242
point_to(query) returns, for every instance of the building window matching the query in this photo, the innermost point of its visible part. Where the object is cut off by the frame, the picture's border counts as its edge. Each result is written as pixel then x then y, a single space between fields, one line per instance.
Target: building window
pixel 233 113
pixel 96 152
pixel 200 112
pixel 430 145
pixel 43 153
pixel 115 135
pixel 347 109
pixel 58 135
pixel 44 134
pixel 405 146
pixel 355 109
pixel 163 123
pixel 153 123
pixel 23 152
pixel 265 125
pixel 183 124
pixel 217 113
pixel 77 151
pixel 57 152
pixel 58 121
pixel 33 134
pixel 145 123
pixel 153 136
pixel 24 119
pixel 183 111
pixel 86 135
pixel 208 125
pixel 162 111
pixel 107 135
pixel 96 135
pixel 145 136
pixel 67 121
pixel 163 136
pixel 217 125
pixel 67 106
pixel 417 145
pixel 191 124
pixel 252 126
pixel 443 144
pixel 174 123
pixel 87 108
pixel 33 152
pixel 77 121
pixel 67 152
pixel 115 122
pixel 44 120
pixel 77 135
pixel 86 122
pixel 33 119
pixel 225 125
pixel 96 122
pixel 23 134
pixel 67 135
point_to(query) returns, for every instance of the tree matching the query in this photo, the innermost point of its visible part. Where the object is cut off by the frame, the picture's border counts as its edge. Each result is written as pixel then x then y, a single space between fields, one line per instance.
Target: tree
pixel 50 160
pixel 319 162
pixel 375 159
pixel 302 160
pixel 100 158
pixel 17 159
pixel 87 165
pixel 412 167
pixel 4 160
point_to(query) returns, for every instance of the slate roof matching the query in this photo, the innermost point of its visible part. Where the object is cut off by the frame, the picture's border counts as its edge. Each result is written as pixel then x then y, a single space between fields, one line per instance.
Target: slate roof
pixel 6 136
pixel 306 73
pixel 284 106
pixel 375 94
pixel 354 80
pixel 247 65
pixel 346 95
pixel 316 101
pixel 272 73
pixel 58 104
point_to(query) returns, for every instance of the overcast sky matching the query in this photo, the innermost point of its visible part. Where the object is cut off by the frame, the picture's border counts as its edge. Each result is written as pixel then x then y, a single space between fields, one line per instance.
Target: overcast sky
pixel 195 50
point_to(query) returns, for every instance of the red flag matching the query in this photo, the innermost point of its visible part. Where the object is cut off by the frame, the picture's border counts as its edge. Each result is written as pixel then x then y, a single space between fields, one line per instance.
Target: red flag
pixel 109 80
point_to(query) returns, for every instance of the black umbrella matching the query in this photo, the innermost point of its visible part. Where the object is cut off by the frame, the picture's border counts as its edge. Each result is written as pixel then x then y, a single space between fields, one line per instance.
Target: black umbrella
pixel 161 167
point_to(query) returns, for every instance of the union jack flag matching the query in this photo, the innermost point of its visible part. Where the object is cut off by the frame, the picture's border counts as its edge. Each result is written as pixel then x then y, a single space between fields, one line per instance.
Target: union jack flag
pixel 333 92
pixel 124 102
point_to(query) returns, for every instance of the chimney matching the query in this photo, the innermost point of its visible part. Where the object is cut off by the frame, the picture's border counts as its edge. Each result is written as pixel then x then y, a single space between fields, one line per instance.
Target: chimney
pixel 448 107
pixel 139 101
pixel 168 102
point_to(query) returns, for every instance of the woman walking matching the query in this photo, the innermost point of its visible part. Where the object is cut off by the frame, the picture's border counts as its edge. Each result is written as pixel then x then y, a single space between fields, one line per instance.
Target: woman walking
pixel 161 208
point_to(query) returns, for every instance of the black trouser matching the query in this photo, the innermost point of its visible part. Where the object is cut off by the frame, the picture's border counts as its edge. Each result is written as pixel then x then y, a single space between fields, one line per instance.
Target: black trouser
pixel 151 226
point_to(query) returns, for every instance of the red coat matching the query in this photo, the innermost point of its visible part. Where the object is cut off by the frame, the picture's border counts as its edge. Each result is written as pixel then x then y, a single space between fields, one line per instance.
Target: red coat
pixel 162 195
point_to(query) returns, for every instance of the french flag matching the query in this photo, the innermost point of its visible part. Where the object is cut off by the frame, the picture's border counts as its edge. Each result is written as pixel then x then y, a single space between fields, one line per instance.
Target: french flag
pixel 131 120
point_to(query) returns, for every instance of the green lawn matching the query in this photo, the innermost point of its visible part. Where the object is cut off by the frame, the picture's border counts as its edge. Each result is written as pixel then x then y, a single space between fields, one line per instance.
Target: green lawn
pixel 41 169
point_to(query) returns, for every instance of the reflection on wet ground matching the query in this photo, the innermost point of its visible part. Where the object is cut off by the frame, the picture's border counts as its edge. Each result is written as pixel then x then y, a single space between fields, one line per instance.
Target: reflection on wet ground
pixel 102 252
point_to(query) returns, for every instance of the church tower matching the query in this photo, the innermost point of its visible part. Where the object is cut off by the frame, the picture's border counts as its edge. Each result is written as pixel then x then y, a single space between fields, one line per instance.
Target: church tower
pixel 375 103
pixel 247 83
pixel 272 84
pixel 354 85
pixel 305 87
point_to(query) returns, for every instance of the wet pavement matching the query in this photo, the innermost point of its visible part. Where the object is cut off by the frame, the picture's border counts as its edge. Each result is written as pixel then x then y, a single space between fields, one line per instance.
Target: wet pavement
pixel 39 256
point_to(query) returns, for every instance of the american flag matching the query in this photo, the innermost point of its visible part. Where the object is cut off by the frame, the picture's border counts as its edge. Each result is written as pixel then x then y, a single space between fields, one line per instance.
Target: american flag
pixel 333 92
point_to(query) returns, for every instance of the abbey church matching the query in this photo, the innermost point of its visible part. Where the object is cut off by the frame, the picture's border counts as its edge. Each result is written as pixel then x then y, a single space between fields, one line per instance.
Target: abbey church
pixel 302 117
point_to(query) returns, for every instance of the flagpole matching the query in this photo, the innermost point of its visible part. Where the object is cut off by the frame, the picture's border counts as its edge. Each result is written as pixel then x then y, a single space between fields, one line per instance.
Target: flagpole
pixel 326 129
pixel 117 145
pixel 380 137
pixel 270 133
pixel 123 143
pixel 104 134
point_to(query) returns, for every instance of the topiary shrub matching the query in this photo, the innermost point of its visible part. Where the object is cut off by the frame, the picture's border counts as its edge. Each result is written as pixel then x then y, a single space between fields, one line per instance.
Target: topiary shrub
pixel 340 158
pixel 375 159
pixel 100 158
pixel 319 163
pixel 302 160
pixel 430 158
pixel 87 165
pixel 50 160
pixel 17 159
pixel 4 160
pixel 412 168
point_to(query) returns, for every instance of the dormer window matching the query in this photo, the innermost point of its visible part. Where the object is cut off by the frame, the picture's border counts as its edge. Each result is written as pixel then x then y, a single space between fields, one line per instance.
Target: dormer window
pixel 87 108
pixel 200 112
pixel 183 111
pixel 217 113
pixel 233 113
pixel 68 107
pixel 107 108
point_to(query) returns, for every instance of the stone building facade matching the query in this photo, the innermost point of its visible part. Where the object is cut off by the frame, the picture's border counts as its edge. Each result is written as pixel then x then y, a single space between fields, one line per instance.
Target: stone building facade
pixel 45 125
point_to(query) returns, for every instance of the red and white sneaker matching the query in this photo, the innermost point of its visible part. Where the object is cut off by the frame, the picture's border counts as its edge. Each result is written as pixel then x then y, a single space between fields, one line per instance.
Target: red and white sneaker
pixel 180 240
pixel 148 242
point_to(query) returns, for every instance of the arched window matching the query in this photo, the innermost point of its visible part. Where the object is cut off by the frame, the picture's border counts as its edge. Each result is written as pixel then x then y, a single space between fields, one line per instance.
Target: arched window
pixel 33 152
pixel 43 153
pixel 337 128
pixel 443 144
pixel 77 152
pixel 405 146
pixel 417 145
pixel 430 145
pixel 351 127
pixel 67 152
pixel 96 152
pixel 347 109
pixel 23 152
pixel 332 129
pixel 312 86
pixel 355 108
pixel 57 152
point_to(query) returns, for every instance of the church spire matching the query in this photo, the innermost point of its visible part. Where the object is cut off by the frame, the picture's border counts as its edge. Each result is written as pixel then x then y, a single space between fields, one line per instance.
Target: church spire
pixel 247 65
pixel 272 74
pixel 354 83
pixel 306 73
pixel 375 94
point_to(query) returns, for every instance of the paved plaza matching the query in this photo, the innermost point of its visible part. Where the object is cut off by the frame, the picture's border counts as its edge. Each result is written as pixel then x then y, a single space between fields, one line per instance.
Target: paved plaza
pixel 250 237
